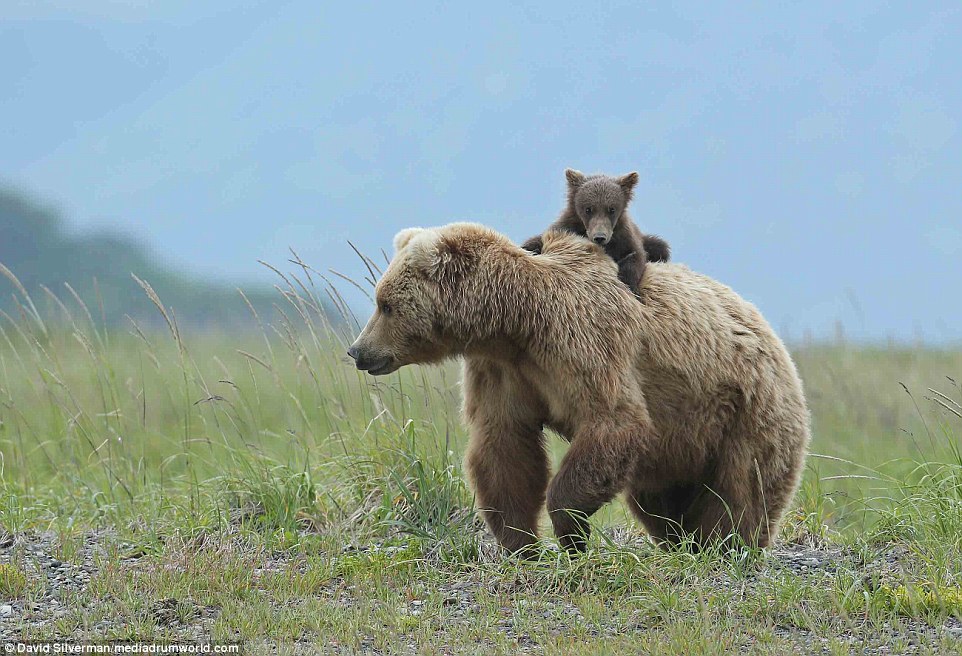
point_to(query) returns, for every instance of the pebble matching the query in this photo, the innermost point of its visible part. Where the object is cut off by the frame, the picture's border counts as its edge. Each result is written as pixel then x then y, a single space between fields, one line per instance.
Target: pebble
pixel 6 610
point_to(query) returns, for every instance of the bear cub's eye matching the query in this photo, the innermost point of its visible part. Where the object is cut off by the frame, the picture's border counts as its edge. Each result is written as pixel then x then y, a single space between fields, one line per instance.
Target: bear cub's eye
pixel 386 309
pixel 589 210
pixel 611 210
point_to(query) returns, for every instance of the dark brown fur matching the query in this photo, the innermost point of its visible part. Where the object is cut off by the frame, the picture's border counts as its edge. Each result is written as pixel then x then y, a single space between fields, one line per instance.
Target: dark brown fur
pixel 625 243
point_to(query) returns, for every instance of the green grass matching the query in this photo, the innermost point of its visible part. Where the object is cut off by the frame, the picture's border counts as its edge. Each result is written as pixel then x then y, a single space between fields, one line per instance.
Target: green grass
pixel 255 487
pixel 14 581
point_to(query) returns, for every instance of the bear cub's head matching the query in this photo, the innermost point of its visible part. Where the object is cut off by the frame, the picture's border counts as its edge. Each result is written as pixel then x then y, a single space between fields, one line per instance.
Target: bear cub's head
pixel 599 201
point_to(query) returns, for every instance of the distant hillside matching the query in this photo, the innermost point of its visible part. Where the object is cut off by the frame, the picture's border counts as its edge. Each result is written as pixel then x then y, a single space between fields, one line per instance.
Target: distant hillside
pixel 35 246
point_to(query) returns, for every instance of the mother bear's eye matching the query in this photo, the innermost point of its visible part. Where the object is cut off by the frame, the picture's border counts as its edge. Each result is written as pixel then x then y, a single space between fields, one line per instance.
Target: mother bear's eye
pixel 386 308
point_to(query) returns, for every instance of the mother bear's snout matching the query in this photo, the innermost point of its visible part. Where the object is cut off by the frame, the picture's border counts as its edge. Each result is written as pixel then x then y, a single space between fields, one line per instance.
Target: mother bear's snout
pixel 372 360
pixel 353 352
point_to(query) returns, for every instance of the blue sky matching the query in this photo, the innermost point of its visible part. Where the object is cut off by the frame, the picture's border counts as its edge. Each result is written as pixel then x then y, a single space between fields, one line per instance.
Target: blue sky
pixel 808 156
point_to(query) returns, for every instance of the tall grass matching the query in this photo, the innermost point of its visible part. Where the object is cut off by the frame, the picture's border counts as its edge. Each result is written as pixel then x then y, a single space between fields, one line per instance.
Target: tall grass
pixel 271 426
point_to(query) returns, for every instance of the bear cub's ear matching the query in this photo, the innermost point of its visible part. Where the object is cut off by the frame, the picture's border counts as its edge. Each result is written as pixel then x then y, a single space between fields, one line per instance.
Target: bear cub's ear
pixel 627 183
pixel 404 237
pixel 575 178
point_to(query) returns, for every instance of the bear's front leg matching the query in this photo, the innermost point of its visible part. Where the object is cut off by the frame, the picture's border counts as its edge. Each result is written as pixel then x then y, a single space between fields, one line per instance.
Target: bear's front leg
pixel 508 467
pixel 506 460
pixel 594 470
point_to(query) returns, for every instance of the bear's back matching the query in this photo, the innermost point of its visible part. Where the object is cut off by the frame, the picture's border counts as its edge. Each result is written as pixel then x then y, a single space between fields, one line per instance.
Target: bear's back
pixel 704 332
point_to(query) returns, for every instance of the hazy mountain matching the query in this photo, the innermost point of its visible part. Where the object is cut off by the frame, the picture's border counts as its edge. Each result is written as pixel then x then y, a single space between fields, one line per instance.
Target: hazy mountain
pixel 41 253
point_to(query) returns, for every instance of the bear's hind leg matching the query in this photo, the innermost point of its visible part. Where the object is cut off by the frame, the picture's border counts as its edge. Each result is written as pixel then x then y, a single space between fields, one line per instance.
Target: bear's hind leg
pixel 731 503
pixel 661 511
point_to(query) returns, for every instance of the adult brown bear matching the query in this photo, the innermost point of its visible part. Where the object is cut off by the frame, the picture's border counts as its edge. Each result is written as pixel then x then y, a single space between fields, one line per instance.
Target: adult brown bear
pixel 687 402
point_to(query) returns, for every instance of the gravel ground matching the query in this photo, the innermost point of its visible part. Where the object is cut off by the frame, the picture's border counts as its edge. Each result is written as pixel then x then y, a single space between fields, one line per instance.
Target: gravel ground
pixel 62 583
pixel 59 579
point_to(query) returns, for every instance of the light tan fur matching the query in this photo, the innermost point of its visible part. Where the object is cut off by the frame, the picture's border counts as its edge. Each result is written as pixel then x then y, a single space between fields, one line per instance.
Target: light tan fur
pixel 688 403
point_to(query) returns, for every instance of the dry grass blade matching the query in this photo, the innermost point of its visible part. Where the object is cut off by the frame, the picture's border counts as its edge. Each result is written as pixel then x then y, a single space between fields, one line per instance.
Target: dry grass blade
pixel 947 407
pixel 298 261
pixel 946 398
pixel 277 271
pixel 155 299
pixel 80 302
pixel 251 356
pixel 56 300
pixel 368 262
pixel 353 282
pixel 7 273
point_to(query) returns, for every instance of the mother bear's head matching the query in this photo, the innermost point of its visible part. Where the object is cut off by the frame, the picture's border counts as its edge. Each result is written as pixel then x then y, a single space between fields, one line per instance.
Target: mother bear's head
pixel 415 321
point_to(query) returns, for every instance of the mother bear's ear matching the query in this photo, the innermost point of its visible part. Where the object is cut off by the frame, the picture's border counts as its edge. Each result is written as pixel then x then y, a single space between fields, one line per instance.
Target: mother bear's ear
pixel 404 237
pixel 419 246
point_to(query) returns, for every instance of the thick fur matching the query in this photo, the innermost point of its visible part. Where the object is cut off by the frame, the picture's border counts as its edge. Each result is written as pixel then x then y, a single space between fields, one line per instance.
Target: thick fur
pixel 587 214
pixel 689 404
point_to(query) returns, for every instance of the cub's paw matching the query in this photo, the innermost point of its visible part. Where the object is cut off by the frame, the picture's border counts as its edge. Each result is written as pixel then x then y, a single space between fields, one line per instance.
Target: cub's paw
pixel 534 245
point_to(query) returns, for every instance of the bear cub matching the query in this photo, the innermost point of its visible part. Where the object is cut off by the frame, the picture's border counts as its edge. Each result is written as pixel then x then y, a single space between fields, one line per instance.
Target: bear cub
pixel 597 209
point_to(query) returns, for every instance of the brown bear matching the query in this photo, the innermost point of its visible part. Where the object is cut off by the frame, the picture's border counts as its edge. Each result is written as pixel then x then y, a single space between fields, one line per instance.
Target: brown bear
pixel 688 403
pixel 597 209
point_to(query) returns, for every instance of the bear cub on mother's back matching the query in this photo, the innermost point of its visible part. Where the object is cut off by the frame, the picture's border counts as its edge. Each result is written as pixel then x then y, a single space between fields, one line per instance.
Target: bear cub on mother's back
pixel 597 209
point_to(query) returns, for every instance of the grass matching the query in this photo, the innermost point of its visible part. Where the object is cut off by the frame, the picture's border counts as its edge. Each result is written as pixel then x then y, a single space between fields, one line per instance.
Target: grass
pixel 14 581
pixel 254 487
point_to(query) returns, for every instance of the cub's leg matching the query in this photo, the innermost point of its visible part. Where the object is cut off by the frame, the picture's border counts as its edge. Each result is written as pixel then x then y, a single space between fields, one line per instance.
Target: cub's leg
pixel 656 248
pixel 593 471
pixel 631 268
pixel 506 459
pixel 534 244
